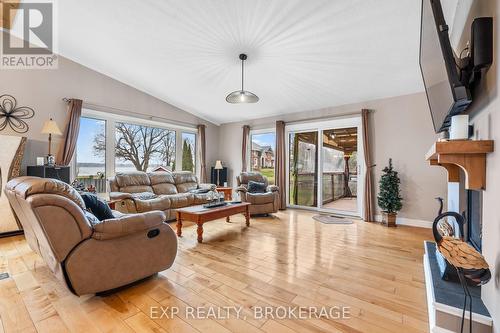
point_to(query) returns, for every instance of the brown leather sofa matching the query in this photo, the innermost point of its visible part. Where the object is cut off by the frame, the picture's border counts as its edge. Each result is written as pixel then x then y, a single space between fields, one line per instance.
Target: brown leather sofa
pixel 89 255
pixel 261 203
pixel 141 192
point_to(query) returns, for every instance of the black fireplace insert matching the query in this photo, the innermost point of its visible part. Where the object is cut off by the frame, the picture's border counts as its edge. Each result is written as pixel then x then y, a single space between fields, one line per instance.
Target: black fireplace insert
pixel 474 218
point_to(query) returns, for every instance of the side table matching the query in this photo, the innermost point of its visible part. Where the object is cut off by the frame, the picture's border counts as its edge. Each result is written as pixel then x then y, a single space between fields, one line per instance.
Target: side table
pixel 228 192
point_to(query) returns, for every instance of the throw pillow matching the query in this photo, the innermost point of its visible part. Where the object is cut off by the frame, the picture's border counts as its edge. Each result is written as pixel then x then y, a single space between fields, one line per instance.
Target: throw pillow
pixel 256 187
pixel 97 206
pixel 91 218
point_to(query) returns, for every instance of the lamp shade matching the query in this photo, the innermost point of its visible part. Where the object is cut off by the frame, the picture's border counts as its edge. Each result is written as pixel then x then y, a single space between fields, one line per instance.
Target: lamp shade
pixel 50 127
pixel 218 165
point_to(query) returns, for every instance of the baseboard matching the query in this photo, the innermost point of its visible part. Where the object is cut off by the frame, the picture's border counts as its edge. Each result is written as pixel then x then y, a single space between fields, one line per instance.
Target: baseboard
pixel 408 221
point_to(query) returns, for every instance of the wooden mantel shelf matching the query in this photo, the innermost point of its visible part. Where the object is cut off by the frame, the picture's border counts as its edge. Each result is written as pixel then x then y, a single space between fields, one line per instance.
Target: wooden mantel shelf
pixel 469 155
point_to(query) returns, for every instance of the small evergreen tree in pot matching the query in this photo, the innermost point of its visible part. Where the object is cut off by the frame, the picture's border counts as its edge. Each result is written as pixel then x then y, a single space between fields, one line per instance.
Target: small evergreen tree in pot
pixel 389 198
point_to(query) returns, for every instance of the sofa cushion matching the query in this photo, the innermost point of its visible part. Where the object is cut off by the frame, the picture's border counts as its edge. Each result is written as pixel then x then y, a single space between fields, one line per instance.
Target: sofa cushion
pixel 256 187
pixel 162 182
pixel 161 202
pixel 201 198
pixel 260 198
pixel 133 182
pixel 185 181
pixel 181 200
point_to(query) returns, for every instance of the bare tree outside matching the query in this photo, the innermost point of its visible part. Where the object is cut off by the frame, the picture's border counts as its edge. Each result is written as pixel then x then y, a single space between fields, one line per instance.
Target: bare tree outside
pixel 140 145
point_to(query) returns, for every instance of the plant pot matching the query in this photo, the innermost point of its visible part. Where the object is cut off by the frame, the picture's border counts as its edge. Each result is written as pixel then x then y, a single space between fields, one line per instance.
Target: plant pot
pixel 389 219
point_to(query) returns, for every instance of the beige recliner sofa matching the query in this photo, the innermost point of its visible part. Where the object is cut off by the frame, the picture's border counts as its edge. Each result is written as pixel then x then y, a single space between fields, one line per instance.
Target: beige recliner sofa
pixel 261 203
pixel 89 255
pixel 140 192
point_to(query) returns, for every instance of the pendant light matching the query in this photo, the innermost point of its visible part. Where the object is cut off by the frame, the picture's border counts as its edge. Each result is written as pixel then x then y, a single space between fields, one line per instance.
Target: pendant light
pixel 242 96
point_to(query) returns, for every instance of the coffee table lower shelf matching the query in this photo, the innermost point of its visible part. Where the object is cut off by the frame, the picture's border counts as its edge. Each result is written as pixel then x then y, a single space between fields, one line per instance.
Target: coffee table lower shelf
pixel 200 215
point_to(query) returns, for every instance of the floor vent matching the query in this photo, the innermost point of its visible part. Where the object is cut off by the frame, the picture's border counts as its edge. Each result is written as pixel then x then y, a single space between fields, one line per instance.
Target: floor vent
pixel 4 276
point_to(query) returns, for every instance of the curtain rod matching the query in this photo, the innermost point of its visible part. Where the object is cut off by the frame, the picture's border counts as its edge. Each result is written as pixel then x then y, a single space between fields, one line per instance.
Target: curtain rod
pixel 118 111
pixel 329 117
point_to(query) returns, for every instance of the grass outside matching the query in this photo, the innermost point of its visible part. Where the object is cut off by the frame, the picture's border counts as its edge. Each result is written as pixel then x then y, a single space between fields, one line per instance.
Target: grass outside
pixel 269 174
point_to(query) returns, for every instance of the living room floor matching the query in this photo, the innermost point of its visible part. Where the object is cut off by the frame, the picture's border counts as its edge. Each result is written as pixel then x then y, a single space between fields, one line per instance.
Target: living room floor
pixel 288 260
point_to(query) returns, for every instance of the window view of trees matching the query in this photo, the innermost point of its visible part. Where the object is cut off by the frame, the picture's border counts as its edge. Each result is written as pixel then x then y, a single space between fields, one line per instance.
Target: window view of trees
pixel 188 151
pixel 140 147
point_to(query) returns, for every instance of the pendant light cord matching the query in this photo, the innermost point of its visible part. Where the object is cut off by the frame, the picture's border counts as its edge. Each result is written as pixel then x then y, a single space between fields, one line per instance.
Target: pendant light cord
pixel 242 73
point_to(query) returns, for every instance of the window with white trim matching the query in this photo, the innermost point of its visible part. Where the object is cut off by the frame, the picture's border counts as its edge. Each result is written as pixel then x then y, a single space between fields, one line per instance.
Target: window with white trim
pixel 110 143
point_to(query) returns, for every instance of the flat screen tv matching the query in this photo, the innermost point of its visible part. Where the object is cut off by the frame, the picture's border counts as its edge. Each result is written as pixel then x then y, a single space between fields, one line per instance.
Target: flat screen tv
pixel 446 94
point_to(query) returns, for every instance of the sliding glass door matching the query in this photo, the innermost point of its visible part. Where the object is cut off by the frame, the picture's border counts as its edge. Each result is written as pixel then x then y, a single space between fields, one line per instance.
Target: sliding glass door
pixel 324 162
pixel 339 169
pixel 303 171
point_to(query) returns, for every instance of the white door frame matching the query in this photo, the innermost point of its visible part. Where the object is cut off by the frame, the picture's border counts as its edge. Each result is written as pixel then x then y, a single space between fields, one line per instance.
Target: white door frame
pixel 319 127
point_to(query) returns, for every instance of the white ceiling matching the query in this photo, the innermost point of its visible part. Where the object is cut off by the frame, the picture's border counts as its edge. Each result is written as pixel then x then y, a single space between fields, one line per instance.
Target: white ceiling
pixel 302 54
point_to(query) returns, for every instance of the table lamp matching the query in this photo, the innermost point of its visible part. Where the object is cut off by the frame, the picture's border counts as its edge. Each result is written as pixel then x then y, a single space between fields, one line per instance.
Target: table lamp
pixel 50 127
pixel 218 167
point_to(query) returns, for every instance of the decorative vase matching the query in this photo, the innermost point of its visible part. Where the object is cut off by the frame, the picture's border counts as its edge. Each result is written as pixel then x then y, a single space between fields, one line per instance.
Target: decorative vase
pixel 389 219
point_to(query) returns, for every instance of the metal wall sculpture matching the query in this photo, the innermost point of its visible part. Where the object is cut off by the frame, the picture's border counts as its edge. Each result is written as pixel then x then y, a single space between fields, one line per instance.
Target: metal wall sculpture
pixel 13 116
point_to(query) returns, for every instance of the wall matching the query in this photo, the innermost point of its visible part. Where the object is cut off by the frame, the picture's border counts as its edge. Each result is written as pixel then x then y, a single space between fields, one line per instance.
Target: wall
pixel 43 90
pixel 401 128
pixel 486 120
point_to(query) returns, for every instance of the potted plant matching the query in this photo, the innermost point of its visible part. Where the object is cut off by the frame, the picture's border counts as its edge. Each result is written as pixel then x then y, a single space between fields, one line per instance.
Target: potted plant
pixel 389 198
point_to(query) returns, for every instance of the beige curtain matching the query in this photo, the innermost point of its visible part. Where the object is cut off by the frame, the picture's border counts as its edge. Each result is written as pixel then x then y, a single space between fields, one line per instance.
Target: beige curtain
pixel 280 162
pixel 244 147
pixel 201 154
pixel 68 146
pixel 368 214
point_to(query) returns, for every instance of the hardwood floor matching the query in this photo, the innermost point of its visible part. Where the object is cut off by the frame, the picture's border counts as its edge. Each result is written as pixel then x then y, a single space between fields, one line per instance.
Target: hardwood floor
pixel 290 260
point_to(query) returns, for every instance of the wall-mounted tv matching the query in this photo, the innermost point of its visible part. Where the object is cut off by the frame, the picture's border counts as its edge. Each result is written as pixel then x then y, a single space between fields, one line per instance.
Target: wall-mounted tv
pixel 446 94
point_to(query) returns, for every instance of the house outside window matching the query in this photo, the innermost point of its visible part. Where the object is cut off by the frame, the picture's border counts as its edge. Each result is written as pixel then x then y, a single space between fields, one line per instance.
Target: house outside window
pixel 262 153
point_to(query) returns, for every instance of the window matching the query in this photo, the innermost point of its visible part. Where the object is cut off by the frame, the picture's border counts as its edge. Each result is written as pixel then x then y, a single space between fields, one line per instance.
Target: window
pixel 143 148
pixel 262 154
pixel 110 143
pixel 188 152
pixel 90 154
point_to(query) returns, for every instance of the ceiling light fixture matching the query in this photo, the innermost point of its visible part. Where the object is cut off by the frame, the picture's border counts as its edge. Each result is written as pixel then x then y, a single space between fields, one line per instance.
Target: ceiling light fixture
pixel 242 96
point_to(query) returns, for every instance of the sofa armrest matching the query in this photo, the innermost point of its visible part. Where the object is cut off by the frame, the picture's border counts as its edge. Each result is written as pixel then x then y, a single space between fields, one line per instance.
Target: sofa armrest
pixel 241 189
pixel 120 196
pixel 207 186
pixel 273 188
pixel 127 224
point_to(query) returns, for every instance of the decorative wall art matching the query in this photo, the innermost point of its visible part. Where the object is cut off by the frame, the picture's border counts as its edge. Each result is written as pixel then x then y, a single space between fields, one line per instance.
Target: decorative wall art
pixel 13 115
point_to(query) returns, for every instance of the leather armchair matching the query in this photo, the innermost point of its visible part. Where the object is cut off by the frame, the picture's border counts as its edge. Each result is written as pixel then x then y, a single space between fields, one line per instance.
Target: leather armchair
pixel 89 255
pixel 261 203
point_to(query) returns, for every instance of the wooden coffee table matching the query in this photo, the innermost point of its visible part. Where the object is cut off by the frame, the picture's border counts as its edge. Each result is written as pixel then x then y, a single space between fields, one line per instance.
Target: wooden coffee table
pixel 200 215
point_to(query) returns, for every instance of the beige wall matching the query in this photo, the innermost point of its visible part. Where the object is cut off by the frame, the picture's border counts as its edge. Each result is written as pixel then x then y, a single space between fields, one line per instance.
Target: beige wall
pixel 401 129
pixel 486 119
pixel 43 90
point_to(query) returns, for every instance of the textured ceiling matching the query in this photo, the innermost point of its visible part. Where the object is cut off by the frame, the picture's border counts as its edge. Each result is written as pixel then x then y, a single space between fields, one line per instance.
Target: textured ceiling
pixel 302 55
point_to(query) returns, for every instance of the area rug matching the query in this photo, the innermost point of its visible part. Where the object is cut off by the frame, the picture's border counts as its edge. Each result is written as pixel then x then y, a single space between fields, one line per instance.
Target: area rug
pixel 332 219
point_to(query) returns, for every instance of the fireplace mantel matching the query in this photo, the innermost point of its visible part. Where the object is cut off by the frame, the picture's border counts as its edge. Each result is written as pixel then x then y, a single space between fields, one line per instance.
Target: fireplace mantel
pixel 468 155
